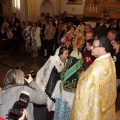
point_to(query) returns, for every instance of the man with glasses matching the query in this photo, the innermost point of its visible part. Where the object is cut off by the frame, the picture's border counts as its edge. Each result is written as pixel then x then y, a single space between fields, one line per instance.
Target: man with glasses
pixel 96 89
pixel 87 28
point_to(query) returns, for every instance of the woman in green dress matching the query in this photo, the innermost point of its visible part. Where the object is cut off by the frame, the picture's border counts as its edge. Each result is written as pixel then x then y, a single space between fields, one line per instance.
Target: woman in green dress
pixel 65 88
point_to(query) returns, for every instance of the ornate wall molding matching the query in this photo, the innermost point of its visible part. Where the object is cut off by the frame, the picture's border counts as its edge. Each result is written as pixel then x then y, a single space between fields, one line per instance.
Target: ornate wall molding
pixel 112 10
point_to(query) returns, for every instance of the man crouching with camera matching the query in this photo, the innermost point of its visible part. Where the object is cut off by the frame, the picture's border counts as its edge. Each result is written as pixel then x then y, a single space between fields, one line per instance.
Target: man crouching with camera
pixel 17 96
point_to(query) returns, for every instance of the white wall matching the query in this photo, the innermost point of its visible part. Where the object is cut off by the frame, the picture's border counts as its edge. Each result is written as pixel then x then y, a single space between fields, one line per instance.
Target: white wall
pixel 69 8
pixel 47 7
pixel 54 5
pixel 37 5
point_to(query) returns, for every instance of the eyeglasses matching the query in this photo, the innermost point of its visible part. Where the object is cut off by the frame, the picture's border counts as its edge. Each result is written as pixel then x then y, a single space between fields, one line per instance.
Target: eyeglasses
pixel 95 46
pixel 112 43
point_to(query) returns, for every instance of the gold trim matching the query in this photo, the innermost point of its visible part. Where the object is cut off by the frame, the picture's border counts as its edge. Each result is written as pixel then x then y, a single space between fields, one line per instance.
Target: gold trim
pixel 76 3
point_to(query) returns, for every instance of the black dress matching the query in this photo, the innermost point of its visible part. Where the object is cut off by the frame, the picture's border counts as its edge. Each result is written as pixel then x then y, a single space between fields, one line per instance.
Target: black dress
pixel 54 77
pixel 41 111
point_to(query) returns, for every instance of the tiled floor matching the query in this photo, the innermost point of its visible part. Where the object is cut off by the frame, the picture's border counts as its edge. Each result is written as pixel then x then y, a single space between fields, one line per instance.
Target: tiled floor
pixel 26 62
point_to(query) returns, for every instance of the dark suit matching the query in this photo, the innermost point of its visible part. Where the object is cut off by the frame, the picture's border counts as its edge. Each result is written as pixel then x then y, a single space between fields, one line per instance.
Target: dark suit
pixel 14 21
pixel 42 27
pixel 101 30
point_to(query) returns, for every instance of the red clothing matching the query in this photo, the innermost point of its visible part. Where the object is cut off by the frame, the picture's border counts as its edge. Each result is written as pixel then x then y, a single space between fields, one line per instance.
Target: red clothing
pixel 88 58
pixel 68 38
pixel 1 118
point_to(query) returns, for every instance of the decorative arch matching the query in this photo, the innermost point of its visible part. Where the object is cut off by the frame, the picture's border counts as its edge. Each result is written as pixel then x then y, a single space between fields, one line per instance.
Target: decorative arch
pixel 47 7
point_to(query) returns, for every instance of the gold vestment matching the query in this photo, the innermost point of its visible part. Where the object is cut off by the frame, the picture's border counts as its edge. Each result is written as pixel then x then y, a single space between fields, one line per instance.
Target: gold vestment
pixel 95 95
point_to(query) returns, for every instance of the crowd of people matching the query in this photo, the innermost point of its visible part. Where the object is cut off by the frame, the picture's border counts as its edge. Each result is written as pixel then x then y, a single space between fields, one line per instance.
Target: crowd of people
pixel 81 78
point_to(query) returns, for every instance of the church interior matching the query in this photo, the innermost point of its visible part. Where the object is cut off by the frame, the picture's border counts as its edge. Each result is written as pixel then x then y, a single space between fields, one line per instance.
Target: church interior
pixel 32 10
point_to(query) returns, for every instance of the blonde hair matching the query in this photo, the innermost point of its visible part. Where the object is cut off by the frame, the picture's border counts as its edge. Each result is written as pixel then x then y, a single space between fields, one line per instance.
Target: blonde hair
pixel 14 77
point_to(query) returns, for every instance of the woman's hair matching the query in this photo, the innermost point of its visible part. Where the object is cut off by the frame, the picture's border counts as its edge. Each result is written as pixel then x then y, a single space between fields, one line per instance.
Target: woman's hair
pixel 88 25
pixel 13 77
pixel 51 21
pixel 35 23
pixel 117 40
pixel 74 26
pixel 90 41
pixel 62 49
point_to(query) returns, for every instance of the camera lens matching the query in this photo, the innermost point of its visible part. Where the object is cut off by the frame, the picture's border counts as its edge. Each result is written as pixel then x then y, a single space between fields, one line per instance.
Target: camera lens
pixel 33 74
pixel 26 76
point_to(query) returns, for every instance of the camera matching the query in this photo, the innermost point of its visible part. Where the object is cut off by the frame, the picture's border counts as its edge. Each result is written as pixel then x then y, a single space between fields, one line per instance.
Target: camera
pixel 17 110
pixel 33 74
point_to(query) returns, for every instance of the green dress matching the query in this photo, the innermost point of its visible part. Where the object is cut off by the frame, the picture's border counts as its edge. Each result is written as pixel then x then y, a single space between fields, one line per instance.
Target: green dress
pixel 70 73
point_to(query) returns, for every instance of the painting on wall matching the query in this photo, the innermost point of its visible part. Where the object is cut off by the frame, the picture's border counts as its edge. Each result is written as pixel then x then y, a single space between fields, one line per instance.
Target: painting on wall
pixel 74 1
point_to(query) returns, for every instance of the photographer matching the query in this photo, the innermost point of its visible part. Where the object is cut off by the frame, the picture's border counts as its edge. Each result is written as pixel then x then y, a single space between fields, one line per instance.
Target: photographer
pixel 14 85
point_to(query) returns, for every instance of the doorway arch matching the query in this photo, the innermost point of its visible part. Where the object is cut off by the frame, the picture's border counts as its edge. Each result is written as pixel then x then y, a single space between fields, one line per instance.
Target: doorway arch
pixel 47 7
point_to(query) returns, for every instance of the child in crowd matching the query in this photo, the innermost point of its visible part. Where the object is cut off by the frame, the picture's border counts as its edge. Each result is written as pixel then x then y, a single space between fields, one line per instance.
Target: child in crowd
pixel 88 58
